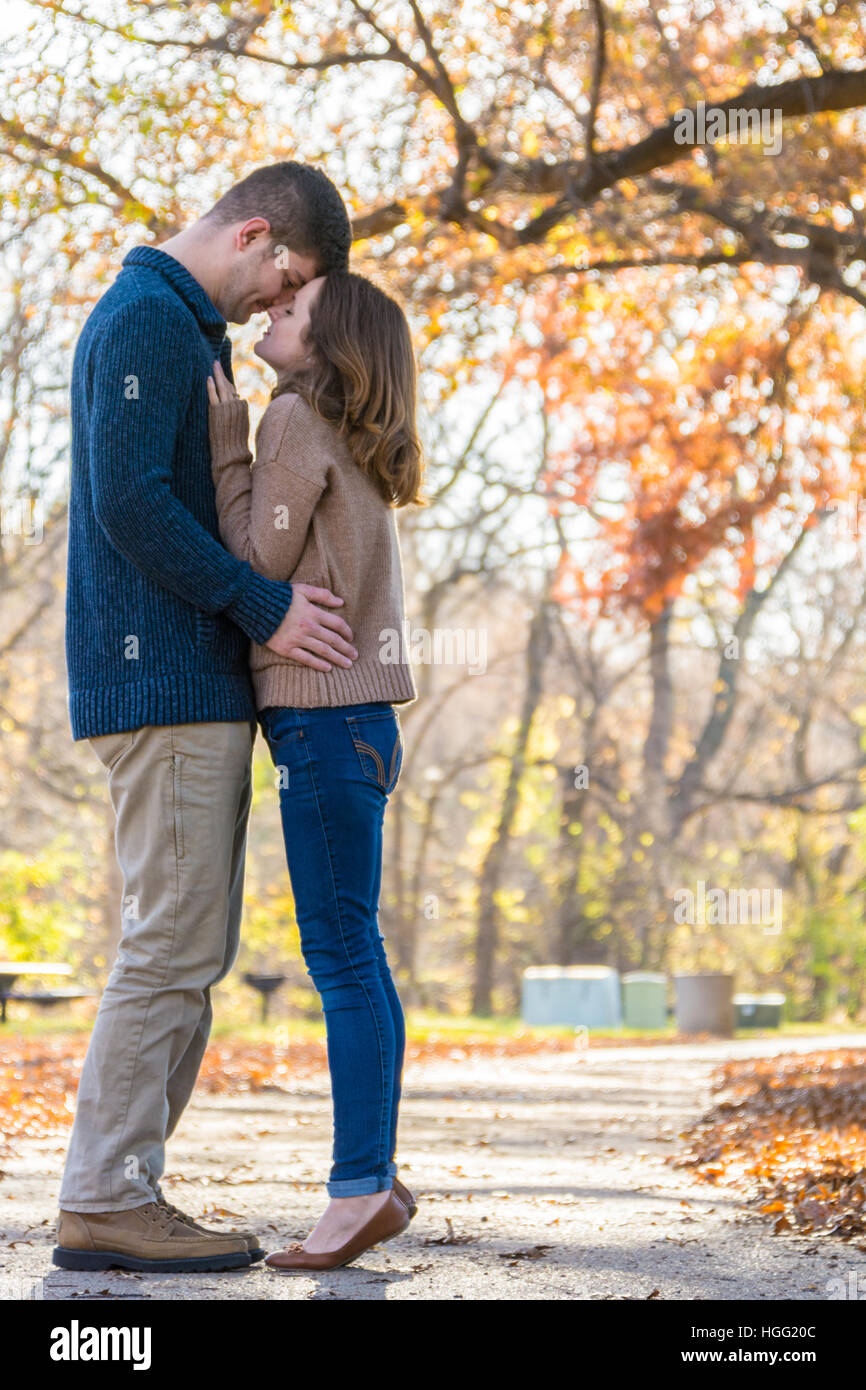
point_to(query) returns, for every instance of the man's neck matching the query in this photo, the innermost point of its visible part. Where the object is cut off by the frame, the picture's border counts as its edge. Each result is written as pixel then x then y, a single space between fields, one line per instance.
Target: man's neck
pixel 195 253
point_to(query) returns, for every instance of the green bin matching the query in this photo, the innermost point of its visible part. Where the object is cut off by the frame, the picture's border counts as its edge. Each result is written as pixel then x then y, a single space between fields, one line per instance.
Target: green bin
pixel 759 1010
pixel 644 999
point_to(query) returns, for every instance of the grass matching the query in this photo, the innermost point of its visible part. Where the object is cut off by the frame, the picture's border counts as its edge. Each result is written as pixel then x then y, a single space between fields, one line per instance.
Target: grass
pixel 26 1021
pixel 421 1026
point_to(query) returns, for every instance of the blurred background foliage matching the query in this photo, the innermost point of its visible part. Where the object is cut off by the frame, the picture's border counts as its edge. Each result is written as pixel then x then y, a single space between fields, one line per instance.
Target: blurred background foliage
pixel 642 389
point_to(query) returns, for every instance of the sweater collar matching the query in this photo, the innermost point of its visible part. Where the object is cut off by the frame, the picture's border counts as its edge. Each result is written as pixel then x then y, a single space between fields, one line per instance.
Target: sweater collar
pixel 183 283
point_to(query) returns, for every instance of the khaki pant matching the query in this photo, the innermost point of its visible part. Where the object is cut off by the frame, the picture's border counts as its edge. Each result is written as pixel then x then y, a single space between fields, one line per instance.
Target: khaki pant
pixel 181 795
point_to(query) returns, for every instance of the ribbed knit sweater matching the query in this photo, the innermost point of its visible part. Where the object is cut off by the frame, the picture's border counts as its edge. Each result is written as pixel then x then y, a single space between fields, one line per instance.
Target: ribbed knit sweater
pixel 158 613
pixel 305 511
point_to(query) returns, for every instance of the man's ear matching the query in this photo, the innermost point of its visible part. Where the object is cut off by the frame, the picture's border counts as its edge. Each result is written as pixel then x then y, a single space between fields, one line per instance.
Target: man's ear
pixel 248 233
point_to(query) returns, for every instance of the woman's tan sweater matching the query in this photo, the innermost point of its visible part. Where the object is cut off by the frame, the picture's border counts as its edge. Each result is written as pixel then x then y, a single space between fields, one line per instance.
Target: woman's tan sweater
pixel 304 511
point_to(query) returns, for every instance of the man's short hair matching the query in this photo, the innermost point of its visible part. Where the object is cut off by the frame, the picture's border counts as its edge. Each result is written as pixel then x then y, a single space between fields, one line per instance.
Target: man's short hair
pixel 302 205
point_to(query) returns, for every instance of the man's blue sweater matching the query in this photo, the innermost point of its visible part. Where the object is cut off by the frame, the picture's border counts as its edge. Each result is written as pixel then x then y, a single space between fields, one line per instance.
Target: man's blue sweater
pixel 158 613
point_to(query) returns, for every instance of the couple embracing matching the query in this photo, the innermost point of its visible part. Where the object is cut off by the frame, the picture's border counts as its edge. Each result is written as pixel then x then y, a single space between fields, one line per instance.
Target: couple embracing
pixel 211 592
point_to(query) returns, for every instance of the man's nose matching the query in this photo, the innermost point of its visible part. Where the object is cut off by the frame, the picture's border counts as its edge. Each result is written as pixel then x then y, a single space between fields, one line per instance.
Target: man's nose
pixel 282 300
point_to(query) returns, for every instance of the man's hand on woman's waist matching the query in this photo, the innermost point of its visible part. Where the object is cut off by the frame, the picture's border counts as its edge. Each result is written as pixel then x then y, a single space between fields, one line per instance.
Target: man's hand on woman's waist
pixel 310 634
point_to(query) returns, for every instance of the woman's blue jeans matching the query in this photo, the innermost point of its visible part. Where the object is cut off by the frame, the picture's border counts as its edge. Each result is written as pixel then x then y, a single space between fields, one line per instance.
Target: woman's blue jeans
pixel 336 768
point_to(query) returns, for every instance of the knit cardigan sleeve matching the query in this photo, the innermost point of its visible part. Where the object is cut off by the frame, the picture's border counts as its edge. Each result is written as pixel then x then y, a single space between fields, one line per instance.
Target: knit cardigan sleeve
pixel 265 506
pixel 140 388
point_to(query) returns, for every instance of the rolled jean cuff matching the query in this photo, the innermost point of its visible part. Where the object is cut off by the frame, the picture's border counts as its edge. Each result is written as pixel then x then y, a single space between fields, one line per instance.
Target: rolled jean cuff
pixel 359 1187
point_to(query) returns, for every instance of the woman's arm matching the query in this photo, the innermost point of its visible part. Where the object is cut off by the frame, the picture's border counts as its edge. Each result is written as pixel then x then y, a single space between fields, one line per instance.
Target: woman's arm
pixel 265 510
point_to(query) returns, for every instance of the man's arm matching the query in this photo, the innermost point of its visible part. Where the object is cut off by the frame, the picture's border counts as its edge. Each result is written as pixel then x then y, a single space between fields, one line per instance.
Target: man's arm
pixel 141 388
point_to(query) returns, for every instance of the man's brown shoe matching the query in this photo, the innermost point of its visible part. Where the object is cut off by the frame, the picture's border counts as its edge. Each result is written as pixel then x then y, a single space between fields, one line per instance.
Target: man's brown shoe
pixel 391 1218
pixel 252 1240
pixel 144 1238
pixel 406 1197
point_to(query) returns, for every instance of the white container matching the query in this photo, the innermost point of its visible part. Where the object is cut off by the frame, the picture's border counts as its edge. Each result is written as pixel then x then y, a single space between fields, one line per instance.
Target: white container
pixel 572 995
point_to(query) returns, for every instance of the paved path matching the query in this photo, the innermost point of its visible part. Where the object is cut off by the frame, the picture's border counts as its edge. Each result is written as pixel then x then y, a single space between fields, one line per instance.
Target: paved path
pixel 539 1177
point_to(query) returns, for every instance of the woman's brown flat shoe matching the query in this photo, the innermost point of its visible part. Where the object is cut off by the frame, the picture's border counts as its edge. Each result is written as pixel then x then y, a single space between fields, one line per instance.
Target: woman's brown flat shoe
pixel 402 1191
pixel 391 1218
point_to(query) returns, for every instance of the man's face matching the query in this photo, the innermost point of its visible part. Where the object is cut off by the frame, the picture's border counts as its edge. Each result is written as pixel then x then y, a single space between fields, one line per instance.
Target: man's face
pixel 262 276
pixel 284 345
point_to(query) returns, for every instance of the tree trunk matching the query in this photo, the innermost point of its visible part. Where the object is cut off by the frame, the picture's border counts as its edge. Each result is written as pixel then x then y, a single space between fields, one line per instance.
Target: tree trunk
pixel 487 933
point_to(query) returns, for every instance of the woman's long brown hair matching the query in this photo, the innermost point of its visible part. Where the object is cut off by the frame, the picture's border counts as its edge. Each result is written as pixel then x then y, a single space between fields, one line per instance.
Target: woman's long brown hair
pixel 363 379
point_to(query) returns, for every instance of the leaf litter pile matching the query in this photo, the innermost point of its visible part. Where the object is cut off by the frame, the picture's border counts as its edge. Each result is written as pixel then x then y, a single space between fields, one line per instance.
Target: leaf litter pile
pixel 39 1076
pixel 791 1130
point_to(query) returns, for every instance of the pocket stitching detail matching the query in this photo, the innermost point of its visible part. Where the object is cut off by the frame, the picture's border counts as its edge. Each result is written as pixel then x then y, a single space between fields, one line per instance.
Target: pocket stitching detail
pixel 273 737
pixel 394 761
pixel 361 745
pixel 125 747
pixel 177 759
pixel 374 714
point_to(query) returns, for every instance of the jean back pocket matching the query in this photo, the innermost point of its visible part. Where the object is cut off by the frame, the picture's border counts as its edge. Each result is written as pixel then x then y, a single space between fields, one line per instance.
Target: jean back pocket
pixel 379 745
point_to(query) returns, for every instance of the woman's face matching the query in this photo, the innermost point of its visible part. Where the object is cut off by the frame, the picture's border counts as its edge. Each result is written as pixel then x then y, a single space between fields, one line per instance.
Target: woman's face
pixel 284 345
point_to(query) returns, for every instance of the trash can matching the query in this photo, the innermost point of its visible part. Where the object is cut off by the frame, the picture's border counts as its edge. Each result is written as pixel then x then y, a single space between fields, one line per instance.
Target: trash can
pixel 705 1003
pixel 744 1010
pixel 769 1010
pixel 644 999
pixel 587 995
pixel 759 1010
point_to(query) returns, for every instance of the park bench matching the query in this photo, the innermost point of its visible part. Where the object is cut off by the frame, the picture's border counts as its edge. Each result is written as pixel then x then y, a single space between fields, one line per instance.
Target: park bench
pixel 10 970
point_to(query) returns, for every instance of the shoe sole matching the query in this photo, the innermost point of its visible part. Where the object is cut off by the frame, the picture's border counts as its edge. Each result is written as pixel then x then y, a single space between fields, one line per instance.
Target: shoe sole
pixel 383 1241
pixel 115 1259
pixel 411 1207
pixel 305 1269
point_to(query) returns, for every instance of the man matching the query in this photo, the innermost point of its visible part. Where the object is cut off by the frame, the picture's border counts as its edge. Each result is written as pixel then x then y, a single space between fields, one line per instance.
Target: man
pixel 159 619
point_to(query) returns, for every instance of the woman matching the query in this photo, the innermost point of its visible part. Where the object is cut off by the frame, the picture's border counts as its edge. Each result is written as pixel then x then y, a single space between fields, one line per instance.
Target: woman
pixel 336 451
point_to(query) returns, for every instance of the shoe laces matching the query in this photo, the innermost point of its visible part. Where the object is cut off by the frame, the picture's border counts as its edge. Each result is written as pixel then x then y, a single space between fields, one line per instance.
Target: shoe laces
pixel 160 1215
pixel 172 1212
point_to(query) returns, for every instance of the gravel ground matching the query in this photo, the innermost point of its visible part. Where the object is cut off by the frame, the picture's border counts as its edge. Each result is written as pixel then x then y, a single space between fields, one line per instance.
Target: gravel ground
pixel 538 1177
